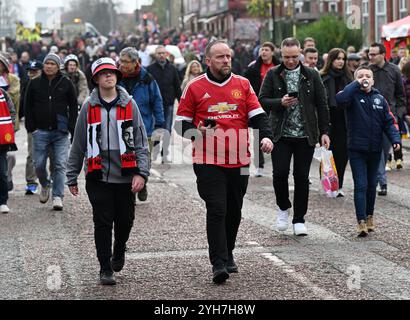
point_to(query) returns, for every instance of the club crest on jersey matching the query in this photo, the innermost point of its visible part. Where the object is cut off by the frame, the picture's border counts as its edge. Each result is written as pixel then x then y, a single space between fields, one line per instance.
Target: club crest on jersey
pixel 236 94
pixel 223 107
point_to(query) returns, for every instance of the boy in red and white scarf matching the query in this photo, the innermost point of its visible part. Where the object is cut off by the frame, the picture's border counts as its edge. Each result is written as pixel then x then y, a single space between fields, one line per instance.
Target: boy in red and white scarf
pixel 111 133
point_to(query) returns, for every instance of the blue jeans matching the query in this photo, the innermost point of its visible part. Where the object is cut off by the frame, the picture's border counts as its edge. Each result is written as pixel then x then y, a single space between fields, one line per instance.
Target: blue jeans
pixel 168 114
pixel 364 169
pixel 4 193
pixel 381 172
pixel 57 143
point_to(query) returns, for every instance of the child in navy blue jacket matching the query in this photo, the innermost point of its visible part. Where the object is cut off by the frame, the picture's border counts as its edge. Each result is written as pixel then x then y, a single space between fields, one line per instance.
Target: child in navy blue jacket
pixel 367 117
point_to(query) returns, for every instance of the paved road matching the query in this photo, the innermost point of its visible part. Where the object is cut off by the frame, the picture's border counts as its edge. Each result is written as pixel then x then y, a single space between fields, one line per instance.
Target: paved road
pixel 51 255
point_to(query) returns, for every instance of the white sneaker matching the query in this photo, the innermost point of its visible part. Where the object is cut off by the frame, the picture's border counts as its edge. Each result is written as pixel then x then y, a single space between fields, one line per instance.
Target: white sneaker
pixel 282 223
pixel 259 172
pixel 44 194
pixel 57 204
pixel 4 208
pixel 299 229
pixel 166 159
pixel 340 193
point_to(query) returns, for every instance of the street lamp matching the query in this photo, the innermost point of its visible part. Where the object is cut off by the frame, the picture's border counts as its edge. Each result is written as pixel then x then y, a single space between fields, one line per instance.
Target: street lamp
pixel 273 20
pixel 1 18
pixel 182 15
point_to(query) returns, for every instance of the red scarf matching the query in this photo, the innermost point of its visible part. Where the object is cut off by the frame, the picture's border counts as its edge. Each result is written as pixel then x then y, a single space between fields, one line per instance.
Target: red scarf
pixel 134 74
pixel 7 142
pixel 126 141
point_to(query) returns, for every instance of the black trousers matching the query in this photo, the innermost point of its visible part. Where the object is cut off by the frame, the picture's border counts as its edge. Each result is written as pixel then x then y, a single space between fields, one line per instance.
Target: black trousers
pixel 338 145
pixel 302 154
pixel 112 204
pixel 223 190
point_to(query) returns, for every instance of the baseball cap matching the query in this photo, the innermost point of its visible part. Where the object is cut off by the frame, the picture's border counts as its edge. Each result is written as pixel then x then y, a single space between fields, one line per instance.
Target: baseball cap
pixel 105 64
pixel 353 56
pixel 35 65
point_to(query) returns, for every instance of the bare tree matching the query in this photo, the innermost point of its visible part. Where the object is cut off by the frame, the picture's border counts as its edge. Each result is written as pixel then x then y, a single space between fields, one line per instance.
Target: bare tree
pixel 9 13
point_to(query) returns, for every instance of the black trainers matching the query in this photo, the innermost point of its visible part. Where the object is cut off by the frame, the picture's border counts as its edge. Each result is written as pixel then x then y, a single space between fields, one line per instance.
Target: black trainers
pixel 117 263
pixel 220 274
pixel 107 278
pixel 143 194
pixel 383 191
pixel 231 266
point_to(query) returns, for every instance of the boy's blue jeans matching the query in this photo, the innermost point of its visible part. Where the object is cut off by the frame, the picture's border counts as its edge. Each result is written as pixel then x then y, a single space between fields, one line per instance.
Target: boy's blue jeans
pixel 364 169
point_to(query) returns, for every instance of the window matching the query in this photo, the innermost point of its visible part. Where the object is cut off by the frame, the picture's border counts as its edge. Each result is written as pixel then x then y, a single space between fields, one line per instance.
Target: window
pixel 306 6
pixel 365 18
pixel 403 9
pixel 365 7
pixel 333 7
pixel 381 18
pixel 348 4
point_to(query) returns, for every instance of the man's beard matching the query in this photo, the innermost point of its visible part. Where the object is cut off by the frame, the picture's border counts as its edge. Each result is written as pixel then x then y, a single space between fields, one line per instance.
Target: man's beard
pixel 224 73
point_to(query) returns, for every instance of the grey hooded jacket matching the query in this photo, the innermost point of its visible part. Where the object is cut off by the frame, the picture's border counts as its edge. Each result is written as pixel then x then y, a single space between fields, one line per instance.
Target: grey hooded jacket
pixel 110 148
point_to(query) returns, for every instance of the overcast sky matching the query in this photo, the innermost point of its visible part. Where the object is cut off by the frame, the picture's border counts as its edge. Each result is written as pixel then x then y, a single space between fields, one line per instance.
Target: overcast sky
pixel 30 6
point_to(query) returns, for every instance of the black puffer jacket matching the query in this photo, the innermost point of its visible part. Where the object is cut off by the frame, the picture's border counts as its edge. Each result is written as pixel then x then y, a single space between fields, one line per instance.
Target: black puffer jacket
pixel 51 105
pixel 312 98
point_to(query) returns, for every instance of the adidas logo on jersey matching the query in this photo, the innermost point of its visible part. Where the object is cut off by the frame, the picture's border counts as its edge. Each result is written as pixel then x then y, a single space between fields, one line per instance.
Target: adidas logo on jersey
pixel 206 96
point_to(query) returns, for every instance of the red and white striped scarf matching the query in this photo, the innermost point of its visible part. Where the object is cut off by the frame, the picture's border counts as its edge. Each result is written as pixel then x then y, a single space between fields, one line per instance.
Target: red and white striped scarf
pixel 126 141
pixel 7 142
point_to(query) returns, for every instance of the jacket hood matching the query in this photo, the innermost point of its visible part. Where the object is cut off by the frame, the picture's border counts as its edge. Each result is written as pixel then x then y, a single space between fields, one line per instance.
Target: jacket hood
pixel 125 98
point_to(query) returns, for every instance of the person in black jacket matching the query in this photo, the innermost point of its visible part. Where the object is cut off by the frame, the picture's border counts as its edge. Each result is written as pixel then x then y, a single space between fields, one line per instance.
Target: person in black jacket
pixel 255 74
pixel 169 84
pixel 335 76
pixel 51 111
pixel 295 98
pixel 387 79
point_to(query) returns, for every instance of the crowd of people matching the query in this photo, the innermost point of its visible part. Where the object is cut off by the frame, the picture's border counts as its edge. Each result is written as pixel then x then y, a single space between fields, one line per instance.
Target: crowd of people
pixel 111 107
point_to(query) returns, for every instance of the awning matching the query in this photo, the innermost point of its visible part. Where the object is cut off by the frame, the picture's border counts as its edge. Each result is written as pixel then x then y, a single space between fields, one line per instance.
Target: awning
pixel 208 20
pixel 397 29
pixel 188 17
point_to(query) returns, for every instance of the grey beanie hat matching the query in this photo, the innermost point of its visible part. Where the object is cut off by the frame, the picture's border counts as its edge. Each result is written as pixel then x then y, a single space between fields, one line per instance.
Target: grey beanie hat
pixel 6 63
pixel 53 57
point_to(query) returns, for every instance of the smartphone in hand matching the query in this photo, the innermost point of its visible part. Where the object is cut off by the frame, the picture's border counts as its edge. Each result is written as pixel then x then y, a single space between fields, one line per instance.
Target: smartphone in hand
pixel 294 94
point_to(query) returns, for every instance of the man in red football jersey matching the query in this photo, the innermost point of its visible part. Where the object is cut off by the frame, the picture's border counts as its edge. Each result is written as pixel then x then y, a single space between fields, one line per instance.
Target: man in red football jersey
pixel 214 113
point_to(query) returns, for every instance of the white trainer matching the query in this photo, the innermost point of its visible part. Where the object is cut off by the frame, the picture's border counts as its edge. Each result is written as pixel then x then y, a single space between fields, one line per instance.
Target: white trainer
pixel 299 229
pixel 57 204
pixel 282 222
pixel 259 172
pixel 167 159
pixel 340 193
pixel 4 208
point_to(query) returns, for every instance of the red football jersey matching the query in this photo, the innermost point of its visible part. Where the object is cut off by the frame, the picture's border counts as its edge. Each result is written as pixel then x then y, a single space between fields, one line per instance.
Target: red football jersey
pixel 231 104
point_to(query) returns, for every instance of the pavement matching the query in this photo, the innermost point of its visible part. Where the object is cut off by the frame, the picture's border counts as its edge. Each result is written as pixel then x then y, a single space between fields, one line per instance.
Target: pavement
pixel 51 255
